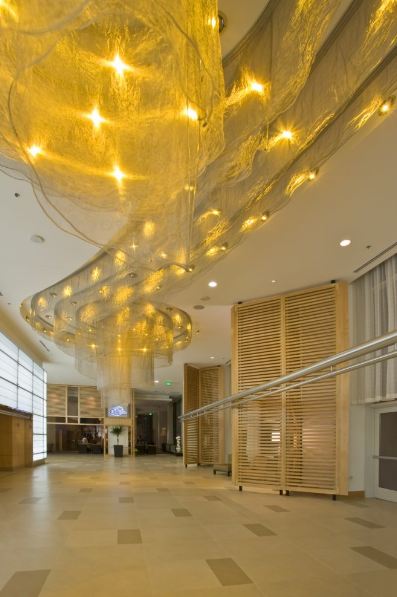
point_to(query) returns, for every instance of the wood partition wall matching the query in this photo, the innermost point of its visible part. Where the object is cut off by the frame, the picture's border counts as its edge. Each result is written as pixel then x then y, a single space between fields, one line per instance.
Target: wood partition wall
pixel 203 438
pixel 296 440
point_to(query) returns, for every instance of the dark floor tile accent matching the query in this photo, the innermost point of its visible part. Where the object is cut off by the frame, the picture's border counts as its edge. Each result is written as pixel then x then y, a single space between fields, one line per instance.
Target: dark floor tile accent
pixel 25 583
pixel 32 500
pixel 179 512
pixel 277 508
pixel 129 536
pixel 162 489
pixel 212 498
pixel 69 515
pixel 378 556
pixel 365 523
pixel 228 572
pixel 126 500
pixel 86 490
pixel 125 483
pixel 259 530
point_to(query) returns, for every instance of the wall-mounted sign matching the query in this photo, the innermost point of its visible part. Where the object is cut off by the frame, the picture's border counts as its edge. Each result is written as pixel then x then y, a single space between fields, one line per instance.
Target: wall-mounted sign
pixel 117 411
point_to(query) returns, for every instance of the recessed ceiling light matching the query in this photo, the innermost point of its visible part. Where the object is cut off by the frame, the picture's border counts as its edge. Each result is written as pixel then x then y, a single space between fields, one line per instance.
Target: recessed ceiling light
pixel 212 284
pixel 36 238
pixel 156 381
pixel 274 281
pixel 212 358
pixel 345 243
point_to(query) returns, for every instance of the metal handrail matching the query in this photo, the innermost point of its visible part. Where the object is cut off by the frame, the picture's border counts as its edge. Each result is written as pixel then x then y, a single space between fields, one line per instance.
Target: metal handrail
pixel 279 385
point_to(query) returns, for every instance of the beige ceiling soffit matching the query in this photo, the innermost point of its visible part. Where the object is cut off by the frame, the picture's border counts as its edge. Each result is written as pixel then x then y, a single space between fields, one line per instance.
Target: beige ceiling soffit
pixel 388 252
pixel 264 16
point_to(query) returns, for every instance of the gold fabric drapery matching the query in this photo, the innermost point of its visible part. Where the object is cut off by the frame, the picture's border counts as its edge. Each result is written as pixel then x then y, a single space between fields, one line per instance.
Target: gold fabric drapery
pixel 156 163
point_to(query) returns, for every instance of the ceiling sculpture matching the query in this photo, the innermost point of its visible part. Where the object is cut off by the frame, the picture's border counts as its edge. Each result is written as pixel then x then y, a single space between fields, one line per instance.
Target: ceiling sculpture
pixel 137 140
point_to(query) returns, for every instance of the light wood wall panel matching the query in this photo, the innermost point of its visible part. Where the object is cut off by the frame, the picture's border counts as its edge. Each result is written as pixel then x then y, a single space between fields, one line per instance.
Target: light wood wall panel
pixel 191 426
pixel 56 400
pixel 295 440
pixel 90 402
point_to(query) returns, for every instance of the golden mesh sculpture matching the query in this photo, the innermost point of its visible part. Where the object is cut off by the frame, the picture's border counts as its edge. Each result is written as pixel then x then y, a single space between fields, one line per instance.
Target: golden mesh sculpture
pixel 116 112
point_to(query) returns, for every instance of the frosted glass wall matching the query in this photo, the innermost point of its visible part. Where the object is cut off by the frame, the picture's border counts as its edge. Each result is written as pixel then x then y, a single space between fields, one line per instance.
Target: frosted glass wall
pixel 23 385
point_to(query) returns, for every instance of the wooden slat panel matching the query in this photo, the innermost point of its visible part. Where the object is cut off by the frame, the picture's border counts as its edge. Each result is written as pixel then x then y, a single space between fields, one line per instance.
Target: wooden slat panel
pixel 310 442
pixel 56 400
pixel 191 426
pixel 90 402
pixel 296 440
pixel 209 425
pixel 257 429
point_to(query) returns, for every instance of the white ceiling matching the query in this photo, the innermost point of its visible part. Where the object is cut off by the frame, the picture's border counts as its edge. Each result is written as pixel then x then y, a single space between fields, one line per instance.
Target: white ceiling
pixel 239 18
pixel 353 197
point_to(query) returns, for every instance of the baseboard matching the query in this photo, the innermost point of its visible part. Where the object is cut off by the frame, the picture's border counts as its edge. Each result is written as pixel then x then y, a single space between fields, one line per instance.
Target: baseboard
pixel 356 494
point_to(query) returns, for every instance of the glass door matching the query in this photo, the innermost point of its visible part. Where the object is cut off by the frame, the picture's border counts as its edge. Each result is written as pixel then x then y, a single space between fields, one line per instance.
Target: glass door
pixel 386 457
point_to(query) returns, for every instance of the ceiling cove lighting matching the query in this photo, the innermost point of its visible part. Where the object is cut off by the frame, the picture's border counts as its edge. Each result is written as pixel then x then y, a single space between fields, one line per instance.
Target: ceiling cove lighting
pixel 345 243
pixel 212 284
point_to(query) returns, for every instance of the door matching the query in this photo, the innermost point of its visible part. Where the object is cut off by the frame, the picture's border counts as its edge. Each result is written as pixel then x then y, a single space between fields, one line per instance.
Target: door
pixel 386 454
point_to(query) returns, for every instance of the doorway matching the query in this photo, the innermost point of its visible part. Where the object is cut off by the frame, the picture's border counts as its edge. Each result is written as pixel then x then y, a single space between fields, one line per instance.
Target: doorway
pixel 386 453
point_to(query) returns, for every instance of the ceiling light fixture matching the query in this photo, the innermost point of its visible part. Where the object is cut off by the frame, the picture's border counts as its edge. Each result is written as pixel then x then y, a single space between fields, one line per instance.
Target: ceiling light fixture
pixel 212 358
pixel 287 135
pixel 212 284
pixel 312 174
pixel 265 216
pixel 156 381
pixel 274 281
pixel 345 243
pixel 386 106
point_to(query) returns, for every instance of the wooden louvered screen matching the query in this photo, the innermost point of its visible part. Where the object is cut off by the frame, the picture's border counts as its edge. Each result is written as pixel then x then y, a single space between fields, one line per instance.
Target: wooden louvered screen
pixel 90 403
pixel 203 438
pixel 295 440
pixel 191 426
pixel 257 346
pixel 211 444
pixel 56 400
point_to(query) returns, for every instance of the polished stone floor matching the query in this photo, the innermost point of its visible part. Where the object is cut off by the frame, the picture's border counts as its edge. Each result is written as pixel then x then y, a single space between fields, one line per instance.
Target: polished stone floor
pixel 92 526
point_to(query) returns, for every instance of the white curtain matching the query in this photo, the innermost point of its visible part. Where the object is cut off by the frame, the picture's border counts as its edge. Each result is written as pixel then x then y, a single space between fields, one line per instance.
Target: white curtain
pixel 374 313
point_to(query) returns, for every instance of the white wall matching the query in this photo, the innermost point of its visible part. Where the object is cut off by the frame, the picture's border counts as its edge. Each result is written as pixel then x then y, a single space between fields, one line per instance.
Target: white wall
pixel 358 448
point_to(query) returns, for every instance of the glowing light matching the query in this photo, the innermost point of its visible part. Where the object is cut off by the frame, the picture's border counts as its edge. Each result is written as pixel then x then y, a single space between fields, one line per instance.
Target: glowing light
pixel 212 284
pixel 386 106
pixel 119 65
pixel 216 212
pixel 248 223
pixel 345 243
pixel 188 187
pixel 257 87
pixel 67 291
pixel 4 5
pixel 118 174
pixel 213 22
pixel 95 274
pixel 287 134
pixel 265 216
pixel 93 346
pixel 312 174
pixel 191 113
pixel 35 150
pixel 96 118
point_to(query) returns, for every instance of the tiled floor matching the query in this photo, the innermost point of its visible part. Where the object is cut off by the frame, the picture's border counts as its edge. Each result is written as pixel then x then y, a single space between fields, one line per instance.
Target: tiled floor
pixel 85 525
